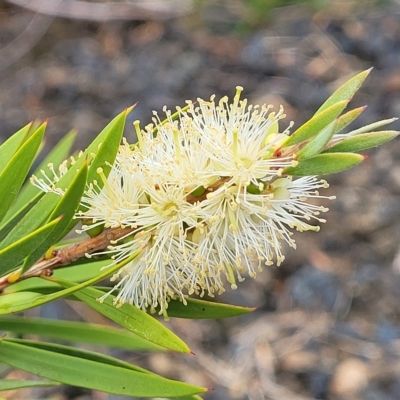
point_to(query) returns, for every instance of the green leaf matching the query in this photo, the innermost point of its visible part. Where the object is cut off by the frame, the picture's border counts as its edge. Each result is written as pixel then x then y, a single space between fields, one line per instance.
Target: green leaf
pixel 104 153
pixel 84 372
pixel 201 309
pixel 371 127
pixel 13 175
pixel 347 118
pixel 81 332
pixel 66 207
pixel 56 156
pixel 8 225
pixel 324 164
pixel 101 152
pixel 14 254
pixel 20 301
pixel 77 273
pixel 346 91
pixel 131 318
pixel 12 384
pixel 318 122
pixel 362 142
pixel 316 145
pixel 11 145
pixel 80 353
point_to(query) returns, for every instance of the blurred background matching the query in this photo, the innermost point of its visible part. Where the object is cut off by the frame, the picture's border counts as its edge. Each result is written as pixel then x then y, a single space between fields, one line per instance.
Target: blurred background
pixel 327 323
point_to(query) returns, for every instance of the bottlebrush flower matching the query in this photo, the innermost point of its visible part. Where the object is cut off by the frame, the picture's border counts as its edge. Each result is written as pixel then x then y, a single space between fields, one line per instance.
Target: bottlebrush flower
pixel 205 199
pixel 215 191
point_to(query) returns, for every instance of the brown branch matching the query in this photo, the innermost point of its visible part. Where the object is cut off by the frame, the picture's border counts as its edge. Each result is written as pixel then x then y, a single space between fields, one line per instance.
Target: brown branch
pixel 66 256
pixel 76 251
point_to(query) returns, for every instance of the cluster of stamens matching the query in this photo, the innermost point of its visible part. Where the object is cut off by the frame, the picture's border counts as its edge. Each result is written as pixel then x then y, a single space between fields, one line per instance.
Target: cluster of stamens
pixel 206 199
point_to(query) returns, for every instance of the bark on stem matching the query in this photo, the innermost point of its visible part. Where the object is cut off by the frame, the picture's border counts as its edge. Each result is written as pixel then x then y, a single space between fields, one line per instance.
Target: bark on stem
pixel 66 256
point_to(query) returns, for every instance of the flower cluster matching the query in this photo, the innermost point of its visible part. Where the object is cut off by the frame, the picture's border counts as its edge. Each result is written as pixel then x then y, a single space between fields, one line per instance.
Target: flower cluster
pixel 205 199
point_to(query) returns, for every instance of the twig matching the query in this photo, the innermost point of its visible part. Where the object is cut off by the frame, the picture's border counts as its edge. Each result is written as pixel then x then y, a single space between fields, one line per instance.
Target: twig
pixel 66 256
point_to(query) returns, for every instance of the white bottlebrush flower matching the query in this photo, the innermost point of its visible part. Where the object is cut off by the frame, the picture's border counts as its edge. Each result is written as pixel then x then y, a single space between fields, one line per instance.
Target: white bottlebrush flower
pixel 204 196
pixel 205 200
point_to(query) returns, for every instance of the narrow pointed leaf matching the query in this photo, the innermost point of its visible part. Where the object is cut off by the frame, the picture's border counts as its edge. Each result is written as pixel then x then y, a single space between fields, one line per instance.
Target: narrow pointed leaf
pixel 201 309
pixel 20 301
pixel 80 353
pixel 371 127
pixel 362 142
pixel 88 355
pixel 81 332
pixel 77 273
pixel 13 255
pixel 347 118
pixel 83 372
pixel 66 207
pixel 318 122
pixel 324 164
pixel 12 384
pixel 11 145
pixel 56 156
pixel 131 318
pixel 105 152
pixel 101 151
pixel 317 144
pixel 346 91
pixel 13 175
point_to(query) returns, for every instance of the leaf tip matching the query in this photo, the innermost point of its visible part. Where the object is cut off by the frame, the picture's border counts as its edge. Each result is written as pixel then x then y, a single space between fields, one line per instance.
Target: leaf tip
pixel 130 108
